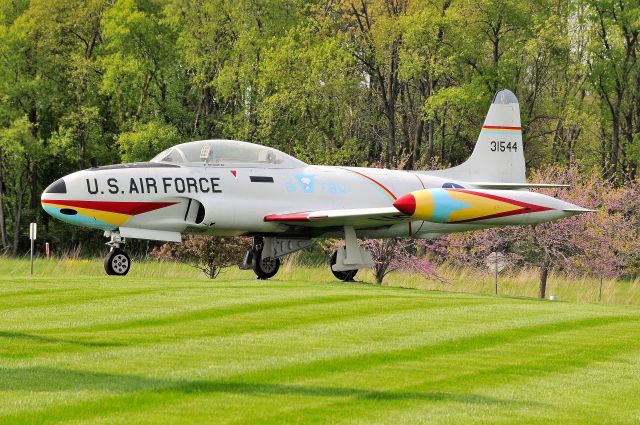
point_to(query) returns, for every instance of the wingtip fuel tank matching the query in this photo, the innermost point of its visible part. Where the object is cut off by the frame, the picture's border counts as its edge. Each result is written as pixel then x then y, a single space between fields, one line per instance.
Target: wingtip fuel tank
pixel 487 206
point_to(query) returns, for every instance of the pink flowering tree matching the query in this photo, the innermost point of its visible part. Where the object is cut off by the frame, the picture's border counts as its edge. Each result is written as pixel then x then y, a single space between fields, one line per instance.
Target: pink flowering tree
pixel 602 244
pixel 398 255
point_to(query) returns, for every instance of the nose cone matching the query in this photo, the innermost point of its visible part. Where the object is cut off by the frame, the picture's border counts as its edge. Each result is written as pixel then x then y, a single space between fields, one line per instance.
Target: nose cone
pixel 57 187
pixel 55 191
pixel 406 204
pixel 53 202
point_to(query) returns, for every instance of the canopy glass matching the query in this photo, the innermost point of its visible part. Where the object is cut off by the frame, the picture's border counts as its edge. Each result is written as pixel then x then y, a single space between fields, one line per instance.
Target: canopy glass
pixel 227 152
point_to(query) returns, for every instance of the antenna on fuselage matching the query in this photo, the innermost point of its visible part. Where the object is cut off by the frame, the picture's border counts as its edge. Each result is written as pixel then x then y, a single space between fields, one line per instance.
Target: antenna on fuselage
pixel 94 162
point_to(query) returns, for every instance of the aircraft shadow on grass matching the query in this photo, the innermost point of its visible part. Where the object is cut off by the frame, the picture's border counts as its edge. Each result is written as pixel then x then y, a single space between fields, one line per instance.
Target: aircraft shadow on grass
pixel 45 339
pixel 48 379
pixel 51 379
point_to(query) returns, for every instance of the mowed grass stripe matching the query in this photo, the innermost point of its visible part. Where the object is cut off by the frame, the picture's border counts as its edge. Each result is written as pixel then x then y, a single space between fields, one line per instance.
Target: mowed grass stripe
pixel 462 390
pixel 47 299
pixel 374 354
pixel 240 319
pixel 363 329
pixel 145 300
pixel 234 320
pixel 259 307
pixel 157 330
pixel 571 359
pixel 422 351
pixel 413 393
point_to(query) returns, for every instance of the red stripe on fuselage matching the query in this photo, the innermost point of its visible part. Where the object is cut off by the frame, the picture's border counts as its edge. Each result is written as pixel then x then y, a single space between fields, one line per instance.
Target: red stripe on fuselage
pixel 374 181
pixel 130 208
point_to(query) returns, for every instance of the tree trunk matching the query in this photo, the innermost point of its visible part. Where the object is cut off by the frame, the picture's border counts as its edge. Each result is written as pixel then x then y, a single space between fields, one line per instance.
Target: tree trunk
pixel 379 272
pixel 442 134
pixel 600 290
pixel 33 183
pixel 544 274
pixel 391 132
pixel 615 146
pixel 17 217
pixel 417 141
pixel 3 229
pixel 430 141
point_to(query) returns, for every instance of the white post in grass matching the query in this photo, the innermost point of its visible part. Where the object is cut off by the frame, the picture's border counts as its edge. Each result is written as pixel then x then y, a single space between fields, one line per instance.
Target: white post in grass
pixel 33 229
pixel 496 261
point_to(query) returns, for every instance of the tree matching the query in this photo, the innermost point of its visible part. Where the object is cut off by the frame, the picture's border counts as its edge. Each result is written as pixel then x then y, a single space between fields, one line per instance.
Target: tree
pixel 397 255
pixel 145 141
pixel 19 154
pixel 615 75
pixel 604 244
pixel 401 83
pixel 206 253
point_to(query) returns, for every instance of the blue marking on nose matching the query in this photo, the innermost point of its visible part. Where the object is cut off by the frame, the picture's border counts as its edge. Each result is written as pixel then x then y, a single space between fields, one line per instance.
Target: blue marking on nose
pixel 444 205
pixel 78 219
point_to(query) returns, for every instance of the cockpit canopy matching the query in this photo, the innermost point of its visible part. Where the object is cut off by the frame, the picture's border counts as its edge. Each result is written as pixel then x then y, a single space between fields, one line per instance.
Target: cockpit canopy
pixel 227 152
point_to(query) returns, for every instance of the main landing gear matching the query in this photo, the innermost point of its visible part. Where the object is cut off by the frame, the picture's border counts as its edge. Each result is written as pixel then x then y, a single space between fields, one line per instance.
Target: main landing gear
pixel 346 261
pixel 117 262
pixel 266 251
pixel 263 265
pixel 345 276
pixel 265 268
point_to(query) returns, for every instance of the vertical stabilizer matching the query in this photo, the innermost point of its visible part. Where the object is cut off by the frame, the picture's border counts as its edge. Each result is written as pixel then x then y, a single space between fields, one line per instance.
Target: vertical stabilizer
pixel 498 155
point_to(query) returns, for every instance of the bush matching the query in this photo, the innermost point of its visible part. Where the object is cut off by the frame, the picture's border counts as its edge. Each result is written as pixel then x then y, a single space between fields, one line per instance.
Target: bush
pixel 207 253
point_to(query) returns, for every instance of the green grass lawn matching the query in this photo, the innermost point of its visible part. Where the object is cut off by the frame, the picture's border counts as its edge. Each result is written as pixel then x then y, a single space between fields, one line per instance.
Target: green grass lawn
pixel 78 347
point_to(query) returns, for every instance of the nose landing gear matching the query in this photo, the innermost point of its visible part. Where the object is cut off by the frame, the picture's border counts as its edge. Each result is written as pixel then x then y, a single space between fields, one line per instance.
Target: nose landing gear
pixel 117 262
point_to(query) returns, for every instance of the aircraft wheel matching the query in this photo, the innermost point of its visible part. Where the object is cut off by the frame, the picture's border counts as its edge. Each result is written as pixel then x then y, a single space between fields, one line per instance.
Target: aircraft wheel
pixel 117 262
pixel 345 276
pixel 265 268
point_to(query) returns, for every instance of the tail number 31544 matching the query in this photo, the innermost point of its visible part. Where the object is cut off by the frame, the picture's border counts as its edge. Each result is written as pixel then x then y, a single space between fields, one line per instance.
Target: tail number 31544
pixel 503 146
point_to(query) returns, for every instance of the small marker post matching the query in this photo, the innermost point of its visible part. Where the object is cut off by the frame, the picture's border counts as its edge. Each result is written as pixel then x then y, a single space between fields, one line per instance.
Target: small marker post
pixel 33 229
pixel 496 261
pixel 495 283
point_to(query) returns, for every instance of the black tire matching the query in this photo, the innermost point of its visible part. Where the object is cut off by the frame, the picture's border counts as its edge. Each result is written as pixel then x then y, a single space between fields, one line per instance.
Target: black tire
pixel 117 262
pixel 345 276
pixel 265 268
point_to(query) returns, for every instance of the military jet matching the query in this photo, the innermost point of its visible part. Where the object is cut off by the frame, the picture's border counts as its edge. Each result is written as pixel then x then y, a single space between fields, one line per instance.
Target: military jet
pixel 227 187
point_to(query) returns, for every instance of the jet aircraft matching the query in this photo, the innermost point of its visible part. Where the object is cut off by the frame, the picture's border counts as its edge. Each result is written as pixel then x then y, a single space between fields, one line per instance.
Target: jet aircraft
pixel 227 187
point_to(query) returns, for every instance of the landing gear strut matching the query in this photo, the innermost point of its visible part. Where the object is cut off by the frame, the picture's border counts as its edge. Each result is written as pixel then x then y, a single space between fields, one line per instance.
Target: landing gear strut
pixel 345 276
pixel 346 261
pixel 264 267
pixel 117 262
pixel 266 251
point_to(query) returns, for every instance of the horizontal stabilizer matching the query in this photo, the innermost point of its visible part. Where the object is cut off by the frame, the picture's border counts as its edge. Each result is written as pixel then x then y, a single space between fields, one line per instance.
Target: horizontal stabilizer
pixel 516 186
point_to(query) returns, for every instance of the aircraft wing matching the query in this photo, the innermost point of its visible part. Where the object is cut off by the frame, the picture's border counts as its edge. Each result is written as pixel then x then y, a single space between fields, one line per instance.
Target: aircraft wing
pixel 516 186
pixel 357 217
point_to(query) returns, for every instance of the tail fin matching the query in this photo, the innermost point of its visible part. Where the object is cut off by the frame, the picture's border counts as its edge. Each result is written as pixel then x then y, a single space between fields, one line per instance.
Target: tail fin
pixel 498 155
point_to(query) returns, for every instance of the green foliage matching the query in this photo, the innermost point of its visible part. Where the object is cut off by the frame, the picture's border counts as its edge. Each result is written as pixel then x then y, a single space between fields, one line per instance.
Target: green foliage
pixel 144 141
pixel 394 83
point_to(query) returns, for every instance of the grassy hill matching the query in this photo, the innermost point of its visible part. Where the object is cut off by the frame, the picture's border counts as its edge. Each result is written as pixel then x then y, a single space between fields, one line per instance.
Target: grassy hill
pixel 90 349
